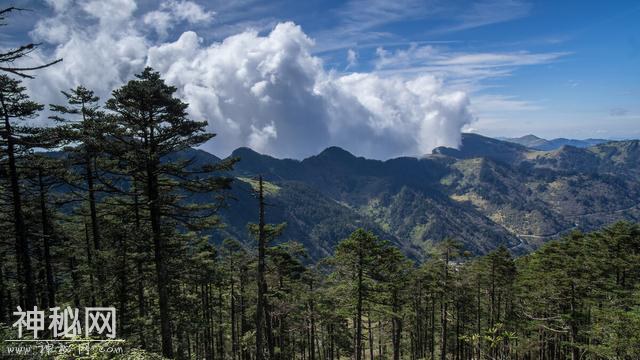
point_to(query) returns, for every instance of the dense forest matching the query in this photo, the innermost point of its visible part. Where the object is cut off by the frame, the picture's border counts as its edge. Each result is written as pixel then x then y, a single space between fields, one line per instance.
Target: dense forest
pixel 94 213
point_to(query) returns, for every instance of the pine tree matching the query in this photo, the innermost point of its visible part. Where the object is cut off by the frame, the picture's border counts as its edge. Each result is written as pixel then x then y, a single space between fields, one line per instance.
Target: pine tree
pixel 17 139
pixel 447 250
pixel 356 259
pixel 394 275
pixel 83 125
pixel 150 125
pixel 41 174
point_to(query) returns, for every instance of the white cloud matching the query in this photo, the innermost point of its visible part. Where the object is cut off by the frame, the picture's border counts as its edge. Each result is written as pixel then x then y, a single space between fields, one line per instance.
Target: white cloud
pixel 499 60
pixel 486 12
pixel 352 58
pixel 408 116
pixel 259 138
pixel 59 5
pixel 281 100
pixel 100 55
pixel 365 22
pixel 418 57
pixel 160 21
pixel 188 11
pixel 51 31
pixel 172 12
pixel 402 58
pixel 112 14
pixel 499 104
pixel 464 70
pixel 268 92
pixel 359 21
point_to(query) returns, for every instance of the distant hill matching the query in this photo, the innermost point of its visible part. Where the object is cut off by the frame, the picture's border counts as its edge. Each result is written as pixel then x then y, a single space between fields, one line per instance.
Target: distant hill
pixel 537 143
pixel 487 193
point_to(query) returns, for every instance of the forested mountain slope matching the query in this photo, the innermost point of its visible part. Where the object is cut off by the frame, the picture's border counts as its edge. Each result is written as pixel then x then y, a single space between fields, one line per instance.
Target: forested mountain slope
pixel 484 194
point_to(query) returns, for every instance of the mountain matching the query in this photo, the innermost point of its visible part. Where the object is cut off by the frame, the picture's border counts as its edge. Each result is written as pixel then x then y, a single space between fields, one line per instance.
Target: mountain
pixel 485 194
pixel 537 143
pixel 475 146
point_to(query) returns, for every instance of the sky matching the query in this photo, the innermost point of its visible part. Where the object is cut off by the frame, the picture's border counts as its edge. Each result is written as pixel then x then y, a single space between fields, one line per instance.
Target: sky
pixel 379 78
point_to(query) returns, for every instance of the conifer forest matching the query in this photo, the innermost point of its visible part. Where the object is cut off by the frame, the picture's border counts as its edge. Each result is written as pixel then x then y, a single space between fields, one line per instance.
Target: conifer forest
pixel 106 206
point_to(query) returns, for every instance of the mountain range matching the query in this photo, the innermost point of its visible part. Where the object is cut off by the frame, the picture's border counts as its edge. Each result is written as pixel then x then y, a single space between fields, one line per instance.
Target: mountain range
pixel 537 143
pixel 486 193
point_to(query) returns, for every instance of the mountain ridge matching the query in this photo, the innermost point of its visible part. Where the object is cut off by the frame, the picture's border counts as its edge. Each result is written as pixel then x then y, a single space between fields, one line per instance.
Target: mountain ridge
pixel 487 193
pixel 537 143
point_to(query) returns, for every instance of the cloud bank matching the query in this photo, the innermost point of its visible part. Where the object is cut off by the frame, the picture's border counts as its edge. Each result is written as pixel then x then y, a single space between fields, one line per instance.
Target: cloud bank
pixel 265 91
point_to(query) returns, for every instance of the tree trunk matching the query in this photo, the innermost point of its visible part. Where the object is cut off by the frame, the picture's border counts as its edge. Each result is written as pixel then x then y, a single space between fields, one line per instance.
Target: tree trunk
pixel 358 324
pixel 23 251
pixel 46 238
pixel 90 265
pixel 432 342
pixel 220 324
pixel 260 307
pixel 312 324
pixel 160 259
pixel 139 268
pixel 370 332
pixel 269 327
pixel 575 351
pixel 243 318
pixel 380 353
pixel 397 327
pixel 443 302
pixel 457 338
pixel 3 316
pixel 234 322
pixel 141 307
pixel 478 309
pixel 95 229
pixel 124 280
pixel 493 296
pixel 74 281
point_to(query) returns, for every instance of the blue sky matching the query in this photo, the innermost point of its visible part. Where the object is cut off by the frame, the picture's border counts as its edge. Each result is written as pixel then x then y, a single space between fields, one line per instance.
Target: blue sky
pixel 551 68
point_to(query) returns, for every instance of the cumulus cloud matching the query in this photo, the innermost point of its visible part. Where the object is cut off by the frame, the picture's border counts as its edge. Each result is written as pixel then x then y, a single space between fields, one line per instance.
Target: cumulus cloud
pixel 268 92
pixel 112 14
pixel 408 116
pixel 172 12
